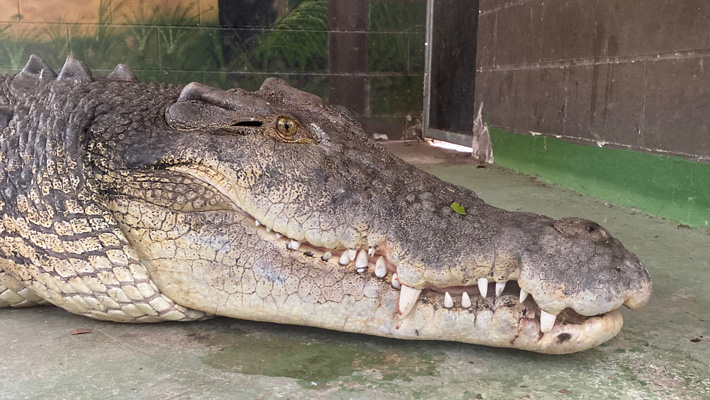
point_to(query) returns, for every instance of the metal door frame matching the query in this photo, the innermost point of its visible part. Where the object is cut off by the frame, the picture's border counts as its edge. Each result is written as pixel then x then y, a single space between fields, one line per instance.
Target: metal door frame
pixel 431 133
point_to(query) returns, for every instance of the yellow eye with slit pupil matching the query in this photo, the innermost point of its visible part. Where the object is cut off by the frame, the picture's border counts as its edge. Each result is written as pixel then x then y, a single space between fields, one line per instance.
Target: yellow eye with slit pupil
pixel 287 126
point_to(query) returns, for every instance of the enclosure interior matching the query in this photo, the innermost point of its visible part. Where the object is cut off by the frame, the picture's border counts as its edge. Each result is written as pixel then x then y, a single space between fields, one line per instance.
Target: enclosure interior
pixel 597 109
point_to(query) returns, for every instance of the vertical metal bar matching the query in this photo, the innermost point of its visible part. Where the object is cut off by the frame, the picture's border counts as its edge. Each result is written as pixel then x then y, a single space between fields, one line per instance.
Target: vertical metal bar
pixel 427 63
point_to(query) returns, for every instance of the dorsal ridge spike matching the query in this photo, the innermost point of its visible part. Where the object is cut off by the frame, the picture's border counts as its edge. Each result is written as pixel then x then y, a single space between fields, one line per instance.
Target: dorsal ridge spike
pixel 74 71
pixel 36 68
pixel 122 73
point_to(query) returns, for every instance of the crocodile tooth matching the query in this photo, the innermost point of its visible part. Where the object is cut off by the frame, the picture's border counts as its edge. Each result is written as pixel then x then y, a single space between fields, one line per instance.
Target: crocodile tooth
pixel 352 253
pixel 371 251
pixel 268 229
pixel 523 295
pixel 380 268
pixel 465 300
pixel 361 260
pixel 407 299
pixel 326 256
pixel 395 281
pixel 448 301
pixel 344 258
pixel 256 222
pixel 294 244
pixel 483 286
pixel 360 270
pixel 500 286
pixel 547 321
pixel 278 235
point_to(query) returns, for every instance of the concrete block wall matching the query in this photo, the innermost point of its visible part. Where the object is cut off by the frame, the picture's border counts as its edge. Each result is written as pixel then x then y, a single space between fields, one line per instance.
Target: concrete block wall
pixel 627 74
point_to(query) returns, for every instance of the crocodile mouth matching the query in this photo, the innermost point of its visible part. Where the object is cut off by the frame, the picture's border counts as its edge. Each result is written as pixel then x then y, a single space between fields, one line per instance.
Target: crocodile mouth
pixel 374 263
pixel 377 264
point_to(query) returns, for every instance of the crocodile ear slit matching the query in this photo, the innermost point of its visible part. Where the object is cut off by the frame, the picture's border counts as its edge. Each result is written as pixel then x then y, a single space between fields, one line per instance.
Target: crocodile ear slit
pixel 204 107
pixel 74 71
pixel 122 73
pixel 36 68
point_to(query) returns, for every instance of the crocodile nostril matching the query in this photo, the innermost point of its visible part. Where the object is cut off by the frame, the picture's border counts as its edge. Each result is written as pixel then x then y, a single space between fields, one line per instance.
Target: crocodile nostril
pixel 563 337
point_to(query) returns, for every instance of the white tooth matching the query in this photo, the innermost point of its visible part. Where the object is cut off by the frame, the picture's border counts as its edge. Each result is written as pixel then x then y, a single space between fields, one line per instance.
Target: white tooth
pixel 352 253
pixel 407 299
pixel 268 229
pixel 361 260
pixel 360 270
pixel 344 258
pixel 326 256
pixel 294 244
pixel 380 268
pixel 371 251
pixel 483 286
pixel 395 281
pixel 547 321
pixel 278 235
pixel 256 222
pixel 523 295
pixel 448 301
pixel 465 300
pixel 500 286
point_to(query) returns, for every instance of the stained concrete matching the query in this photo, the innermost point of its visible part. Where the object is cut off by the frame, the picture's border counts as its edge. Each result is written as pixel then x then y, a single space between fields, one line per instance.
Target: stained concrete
pixel 663 352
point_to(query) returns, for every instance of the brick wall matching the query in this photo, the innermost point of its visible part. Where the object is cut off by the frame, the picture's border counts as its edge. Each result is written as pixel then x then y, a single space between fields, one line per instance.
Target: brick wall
pixel 630 74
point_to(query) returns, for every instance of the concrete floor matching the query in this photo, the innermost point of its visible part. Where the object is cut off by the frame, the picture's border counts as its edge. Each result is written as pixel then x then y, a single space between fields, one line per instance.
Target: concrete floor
pixel 663 352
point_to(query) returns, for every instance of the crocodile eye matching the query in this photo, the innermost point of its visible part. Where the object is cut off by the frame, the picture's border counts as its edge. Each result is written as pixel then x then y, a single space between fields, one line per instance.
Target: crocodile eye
pixel 287 127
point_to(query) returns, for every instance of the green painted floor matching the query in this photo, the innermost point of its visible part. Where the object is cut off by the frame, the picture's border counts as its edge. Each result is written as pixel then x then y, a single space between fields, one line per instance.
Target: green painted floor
pixel 663 352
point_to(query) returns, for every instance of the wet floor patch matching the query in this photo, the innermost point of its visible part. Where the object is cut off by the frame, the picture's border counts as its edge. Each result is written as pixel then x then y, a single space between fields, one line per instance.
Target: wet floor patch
pixel 316 357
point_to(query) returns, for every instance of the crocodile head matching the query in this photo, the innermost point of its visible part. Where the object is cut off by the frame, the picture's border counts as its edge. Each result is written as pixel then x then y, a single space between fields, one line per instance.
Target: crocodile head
pixel 139 202
pixel 273 206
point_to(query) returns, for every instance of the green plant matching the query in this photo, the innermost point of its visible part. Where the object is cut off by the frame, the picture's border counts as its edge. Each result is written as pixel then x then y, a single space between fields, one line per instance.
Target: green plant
pixel 103 45
pixel 14 45
pixel 104 30
pixel 215 46
pixel 59 38
pixel 182 44
pixel 397 17
pixel 173 35
pixel 298 42
pixel 397 29
pixel 294 3
pixel 140 23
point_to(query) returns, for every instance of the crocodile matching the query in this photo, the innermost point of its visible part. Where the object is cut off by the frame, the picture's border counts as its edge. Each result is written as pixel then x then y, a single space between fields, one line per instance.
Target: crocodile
pixel 141 202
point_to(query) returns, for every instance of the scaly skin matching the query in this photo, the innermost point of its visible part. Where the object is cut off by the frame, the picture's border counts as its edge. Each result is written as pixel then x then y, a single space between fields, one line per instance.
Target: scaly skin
pixel 136 202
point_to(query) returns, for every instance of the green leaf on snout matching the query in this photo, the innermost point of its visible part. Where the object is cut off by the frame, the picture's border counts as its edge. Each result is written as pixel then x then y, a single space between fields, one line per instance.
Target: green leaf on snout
pixel 458 208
